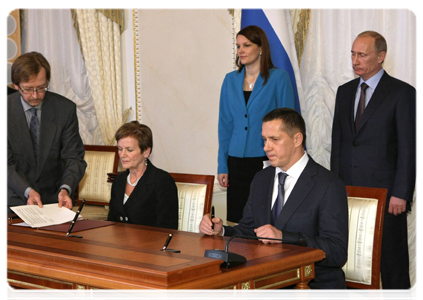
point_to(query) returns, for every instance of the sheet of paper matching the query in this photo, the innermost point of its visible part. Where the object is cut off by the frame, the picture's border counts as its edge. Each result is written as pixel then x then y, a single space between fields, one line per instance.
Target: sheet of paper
pixel 49 214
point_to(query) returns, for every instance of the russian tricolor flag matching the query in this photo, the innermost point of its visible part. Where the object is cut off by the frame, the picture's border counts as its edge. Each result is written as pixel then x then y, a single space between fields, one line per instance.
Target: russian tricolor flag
pixel 277 25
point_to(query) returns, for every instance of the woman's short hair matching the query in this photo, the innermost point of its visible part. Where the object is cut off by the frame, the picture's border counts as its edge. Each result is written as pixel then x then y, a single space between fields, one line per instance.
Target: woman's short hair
pixel 257 36
pixel 28 65
pixel 142 133
pixel 292 121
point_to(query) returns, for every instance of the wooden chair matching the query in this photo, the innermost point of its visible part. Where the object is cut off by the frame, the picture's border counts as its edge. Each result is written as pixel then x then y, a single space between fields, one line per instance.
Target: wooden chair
pixel 195 193
pixel 366 212
pixel 94 187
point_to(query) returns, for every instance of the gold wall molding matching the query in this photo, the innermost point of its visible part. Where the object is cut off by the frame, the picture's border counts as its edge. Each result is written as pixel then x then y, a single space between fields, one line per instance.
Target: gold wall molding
pixel 137 64
pixel 236 27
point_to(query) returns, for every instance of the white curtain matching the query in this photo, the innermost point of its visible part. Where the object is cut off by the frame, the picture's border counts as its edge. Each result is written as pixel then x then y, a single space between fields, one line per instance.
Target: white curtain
pixel 51 32
pixel 326 64
pixel 100 38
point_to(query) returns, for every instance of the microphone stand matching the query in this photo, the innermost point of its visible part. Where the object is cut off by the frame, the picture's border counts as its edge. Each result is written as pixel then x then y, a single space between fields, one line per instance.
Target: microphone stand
pixel 232 259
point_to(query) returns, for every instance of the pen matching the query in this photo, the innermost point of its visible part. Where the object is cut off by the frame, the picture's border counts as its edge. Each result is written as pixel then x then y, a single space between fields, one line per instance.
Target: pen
pixel 75 218
pixel 212 217
pixel 167 241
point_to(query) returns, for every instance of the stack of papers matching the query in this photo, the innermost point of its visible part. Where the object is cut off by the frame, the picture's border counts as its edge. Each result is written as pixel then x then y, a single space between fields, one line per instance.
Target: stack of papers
pixel 49 214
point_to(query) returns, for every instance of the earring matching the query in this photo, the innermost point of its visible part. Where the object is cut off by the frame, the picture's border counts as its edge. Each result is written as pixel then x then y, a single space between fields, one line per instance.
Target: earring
pixel 146 162
pixel 260 53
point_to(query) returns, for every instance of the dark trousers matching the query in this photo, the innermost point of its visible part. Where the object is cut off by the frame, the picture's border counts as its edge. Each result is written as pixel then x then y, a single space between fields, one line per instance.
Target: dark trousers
pixel 241 173
pixel 394 266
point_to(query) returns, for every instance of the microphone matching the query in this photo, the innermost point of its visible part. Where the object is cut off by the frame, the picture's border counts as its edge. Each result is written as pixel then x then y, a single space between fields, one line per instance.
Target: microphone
pixel 232 259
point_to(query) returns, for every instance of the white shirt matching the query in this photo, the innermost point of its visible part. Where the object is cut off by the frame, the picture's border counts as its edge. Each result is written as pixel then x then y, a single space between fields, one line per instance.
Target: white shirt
pixel 125 198
pixel 293 174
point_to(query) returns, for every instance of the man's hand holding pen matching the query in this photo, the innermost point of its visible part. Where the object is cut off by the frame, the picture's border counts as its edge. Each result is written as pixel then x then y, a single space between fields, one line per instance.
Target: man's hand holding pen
pixel 211 225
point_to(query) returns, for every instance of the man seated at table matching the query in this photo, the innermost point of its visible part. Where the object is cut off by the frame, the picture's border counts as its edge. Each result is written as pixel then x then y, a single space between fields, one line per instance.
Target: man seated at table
pixel 309 207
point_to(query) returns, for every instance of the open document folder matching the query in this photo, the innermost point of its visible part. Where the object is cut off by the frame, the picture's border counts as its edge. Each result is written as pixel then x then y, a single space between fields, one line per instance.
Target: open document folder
pixel 49 214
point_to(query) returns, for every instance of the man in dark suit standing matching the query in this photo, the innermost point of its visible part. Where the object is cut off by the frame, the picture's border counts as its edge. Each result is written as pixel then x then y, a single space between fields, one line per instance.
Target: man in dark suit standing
pixel 309 207
pixel 374 145
pixel 45 154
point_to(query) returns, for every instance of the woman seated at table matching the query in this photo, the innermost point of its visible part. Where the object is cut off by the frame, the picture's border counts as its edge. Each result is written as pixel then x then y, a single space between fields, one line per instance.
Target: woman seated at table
pixel 143 194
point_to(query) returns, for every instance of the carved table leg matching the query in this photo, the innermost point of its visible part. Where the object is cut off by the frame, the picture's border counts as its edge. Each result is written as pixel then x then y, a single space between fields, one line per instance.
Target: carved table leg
pixel 302 291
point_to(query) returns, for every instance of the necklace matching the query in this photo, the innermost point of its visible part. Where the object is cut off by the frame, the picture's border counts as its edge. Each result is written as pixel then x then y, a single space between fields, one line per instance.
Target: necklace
pixel 250 85
pixel 129 181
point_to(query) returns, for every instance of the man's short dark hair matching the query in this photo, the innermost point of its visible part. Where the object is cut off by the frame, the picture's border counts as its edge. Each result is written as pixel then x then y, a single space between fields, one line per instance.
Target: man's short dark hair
pixel 28 65
pixel 292 121
pixel 380 42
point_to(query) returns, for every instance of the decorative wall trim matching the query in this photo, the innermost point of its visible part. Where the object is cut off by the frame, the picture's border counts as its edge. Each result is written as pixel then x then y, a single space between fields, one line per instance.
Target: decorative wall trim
pixel 236 27
pixel 137 66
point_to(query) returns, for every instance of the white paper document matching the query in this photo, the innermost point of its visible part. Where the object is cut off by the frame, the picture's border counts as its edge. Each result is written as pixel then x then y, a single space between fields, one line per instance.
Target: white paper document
pixel 49 214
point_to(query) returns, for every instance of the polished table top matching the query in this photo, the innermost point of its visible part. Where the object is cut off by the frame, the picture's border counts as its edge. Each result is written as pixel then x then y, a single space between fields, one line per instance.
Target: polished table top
pixel 122 256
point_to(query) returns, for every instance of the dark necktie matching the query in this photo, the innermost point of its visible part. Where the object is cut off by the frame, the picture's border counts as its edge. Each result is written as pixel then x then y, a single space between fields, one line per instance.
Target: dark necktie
pixel 34 127
pixel 277 207
pixel 361 104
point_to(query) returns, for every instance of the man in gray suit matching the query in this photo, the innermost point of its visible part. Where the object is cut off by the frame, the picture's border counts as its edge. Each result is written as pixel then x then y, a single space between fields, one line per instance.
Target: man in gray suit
pixel 45 153
pixel 308 208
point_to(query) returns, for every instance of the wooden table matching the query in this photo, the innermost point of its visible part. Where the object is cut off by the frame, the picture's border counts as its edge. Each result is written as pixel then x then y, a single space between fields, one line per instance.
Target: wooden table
pixel 123 256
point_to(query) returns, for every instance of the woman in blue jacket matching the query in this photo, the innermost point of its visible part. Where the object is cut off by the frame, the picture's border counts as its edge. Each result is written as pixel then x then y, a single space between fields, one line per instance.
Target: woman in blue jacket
pixel 247 95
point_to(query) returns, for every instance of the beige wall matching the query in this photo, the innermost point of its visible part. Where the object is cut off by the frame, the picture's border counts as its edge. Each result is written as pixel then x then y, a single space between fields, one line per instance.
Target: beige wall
pixel 185 55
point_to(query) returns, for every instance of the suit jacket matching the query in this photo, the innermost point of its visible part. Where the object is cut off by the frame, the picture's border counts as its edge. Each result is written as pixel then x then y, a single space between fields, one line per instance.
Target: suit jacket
pixel 153 202
pixel 240 124
pixel 316 212
pixel 61 151
pixel 382 153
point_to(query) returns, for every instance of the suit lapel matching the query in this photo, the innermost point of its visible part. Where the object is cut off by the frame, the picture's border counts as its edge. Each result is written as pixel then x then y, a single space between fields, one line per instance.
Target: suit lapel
pixel 21 137
pixel 47 132
pixel 267 206
pixel 376 100
pixel 352 93
pixel 239 87
pixel 301 189
pixel 258 86
pixel 140 192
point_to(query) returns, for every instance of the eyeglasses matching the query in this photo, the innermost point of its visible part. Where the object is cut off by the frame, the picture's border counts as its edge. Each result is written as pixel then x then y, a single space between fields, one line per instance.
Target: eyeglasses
pixel 30 91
